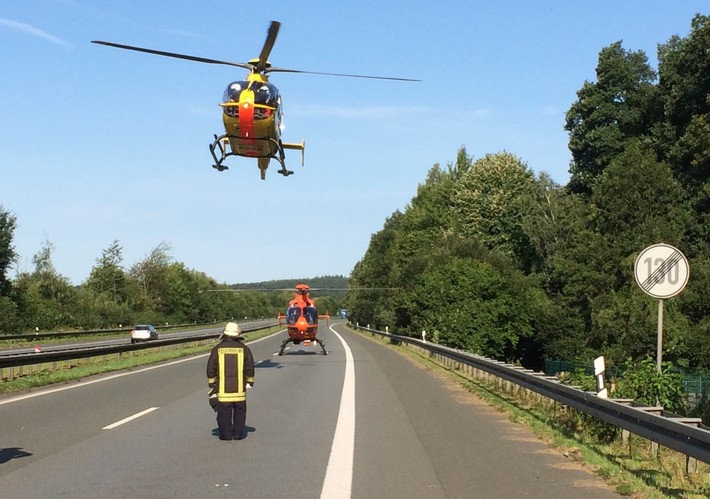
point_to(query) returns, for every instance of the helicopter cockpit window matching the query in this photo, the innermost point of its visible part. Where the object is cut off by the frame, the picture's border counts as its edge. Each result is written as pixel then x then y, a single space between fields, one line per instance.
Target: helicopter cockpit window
pixel 311 315
pixel 232 95
pixel 292 315
pixel 264 93
pixel 267 95
pixel 233 90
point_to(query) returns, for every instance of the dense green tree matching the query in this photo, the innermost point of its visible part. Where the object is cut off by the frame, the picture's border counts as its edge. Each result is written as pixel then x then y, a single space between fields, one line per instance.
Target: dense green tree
pixel 108 275
pixel 637 201
pixel 8 224
pixel 10 323
pixel 684 81
pixel 572 280
pixel 45 298
pixel 622 105
pixel 692 345
pixel 374 271
pixel 97 310
pixel 473 305
pixel 150 275
pixel 399 253
pixel 683 137
pixel 543 220
pixel 8 308
pixel 181 288
pixel 105 298
pixel 488 202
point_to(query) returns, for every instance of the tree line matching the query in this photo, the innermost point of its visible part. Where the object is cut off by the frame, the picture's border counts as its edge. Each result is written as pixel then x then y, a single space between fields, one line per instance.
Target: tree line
pixel 155 289
pixel 492 258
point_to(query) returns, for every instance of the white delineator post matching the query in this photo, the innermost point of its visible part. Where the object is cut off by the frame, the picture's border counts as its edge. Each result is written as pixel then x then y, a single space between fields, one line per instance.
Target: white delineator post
pixel 599 369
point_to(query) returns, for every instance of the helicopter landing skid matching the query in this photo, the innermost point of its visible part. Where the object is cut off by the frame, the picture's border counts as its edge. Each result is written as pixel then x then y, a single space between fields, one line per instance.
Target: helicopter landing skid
pixel 289 340
pixel 223 153
pixel 219 143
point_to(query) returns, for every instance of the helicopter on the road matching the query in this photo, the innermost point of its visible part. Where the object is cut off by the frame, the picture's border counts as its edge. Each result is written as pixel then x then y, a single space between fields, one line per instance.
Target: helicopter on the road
pixel 252 111
pixel 302 320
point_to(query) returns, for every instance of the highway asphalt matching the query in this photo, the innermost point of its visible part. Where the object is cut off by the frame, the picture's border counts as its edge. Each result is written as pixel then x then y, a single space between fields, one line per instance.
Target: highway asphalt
pixel 402 432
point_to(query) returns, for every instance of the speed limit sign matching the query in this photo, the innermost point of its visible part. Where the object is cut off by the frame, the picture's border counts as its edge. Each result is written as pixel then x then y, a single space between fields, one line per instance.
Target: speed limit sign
pixel 661 271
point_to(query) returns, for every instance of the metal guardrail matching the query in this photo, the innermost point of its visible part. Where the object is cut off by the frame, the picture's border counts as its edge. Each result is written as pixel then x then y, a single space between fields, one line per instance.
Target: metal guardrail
pixel 33 358
pixel 29 336
pixel 690 438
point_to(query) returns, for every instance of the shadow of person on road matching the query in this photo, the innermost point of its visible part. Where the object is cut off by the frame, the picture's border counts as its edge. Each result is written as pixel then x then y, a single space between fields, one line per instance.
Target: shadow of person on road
pixel 247 430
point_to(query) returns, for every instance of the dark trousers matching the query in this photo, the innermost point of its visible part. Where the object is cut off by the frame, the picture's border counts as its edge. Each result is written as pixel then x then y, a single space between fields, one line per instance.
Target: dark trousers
pixel 231 418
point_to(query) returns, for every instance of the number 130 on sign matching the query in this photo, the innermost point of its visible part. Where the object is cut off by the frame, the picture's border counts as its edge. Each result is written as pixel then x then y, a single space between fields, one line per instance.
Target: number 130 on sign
pixel 661 271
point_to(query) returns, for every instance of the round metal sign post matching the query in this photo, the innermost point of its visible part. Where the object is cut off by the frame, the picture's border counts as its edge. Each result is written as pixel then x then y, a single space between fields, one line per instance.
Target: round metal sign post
pixel 661 271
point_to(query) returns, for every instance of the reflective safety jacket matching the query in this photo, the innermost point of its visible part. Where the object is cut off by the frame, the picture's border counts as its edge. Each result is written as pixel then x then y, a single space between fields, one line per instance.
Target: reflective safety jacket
pixel 229 369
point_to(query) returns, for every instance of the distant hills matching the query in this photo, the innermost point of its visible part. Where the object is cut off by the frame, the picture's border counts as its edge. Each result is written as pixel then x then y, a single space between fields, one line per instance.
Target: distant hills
pixel 330 285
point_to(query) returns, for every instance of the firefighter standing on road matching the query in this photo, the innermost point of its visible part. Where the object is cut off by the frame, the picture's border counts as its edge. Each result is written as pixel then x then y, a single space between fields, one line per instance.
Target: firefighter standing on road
pixel 229 370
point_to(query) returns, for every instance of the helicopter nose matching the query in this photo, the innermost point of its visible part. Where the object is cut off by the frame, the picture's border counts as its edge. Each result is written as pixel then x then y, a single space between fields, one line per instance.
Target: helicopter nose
pixel 302 324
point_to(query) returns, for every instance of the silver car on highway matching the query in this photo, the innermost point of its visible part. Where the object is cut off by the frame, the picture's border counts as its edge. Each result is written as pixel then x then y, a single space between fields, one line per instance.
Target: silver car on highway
pixel 143 332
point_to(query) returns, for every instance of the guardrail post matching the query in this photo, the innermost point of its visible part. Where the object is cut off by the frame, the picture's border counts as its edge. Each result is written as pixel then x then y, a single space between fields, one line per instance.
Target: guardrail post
pixel 625 434
pixel 691 465
pixel 653 410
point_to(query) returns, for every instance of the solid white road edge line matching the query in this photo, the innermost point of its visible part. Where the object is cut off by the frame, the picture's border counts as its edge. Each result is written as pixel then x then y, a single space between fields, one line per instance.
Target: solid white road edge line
pixel 339 473
pixel 129 418
pixel 112 376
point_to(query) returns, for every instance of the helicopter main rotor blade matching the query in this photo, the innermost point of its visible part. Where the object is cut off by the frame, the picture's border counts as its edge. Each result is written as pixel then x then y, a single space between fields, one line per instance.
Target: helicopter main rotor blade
pixel 174 55
pixel 242 290
pixel 282 70
pixel 268 46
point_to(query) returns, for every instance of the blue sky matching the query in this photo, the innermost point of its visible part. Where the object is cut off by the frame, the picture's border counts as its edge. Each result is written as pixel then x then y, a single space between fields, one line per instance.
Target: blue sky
pixel 99 144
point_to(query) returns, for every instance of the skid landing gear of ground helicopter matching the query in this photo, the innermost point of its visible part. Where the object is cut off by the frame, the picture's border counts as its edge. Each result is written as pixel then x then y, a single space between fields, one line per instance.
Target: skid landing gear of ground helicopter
pixel 289 340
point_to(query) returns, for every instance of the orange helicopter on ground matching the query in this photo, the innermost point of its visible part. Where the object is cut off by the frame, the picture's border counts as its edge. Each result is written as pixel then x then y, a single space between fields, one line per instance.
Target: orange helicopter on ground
pixel 302 320
pixel 252 111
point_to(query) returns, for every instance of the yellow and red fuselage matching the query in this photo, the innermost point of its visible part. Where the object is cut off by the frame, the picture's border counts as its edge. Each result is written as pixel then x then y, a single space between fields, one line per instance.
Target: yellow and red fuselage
pixel 252 117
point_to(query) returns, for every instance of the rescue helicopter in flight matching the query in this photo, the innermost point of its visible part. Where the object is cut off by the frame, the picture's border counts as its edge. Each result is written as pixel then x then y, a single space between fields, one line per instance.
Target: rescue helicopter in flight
pixel 302 320
pixel 252 112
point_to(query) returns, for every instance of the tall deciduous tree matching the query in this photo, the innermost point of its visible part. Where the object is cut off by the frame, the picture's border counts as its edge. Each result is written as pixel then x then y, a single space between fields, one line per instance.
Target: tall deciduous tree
pixel 637 202
pixel 621 105
pixel 108 275
pixel 684 134
pixel 477 305
pixel 374 270
pixel 8 224
pixel 684 80
pixel 150 274
pixel 45 298
pixel 8 308
pixel 488 202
